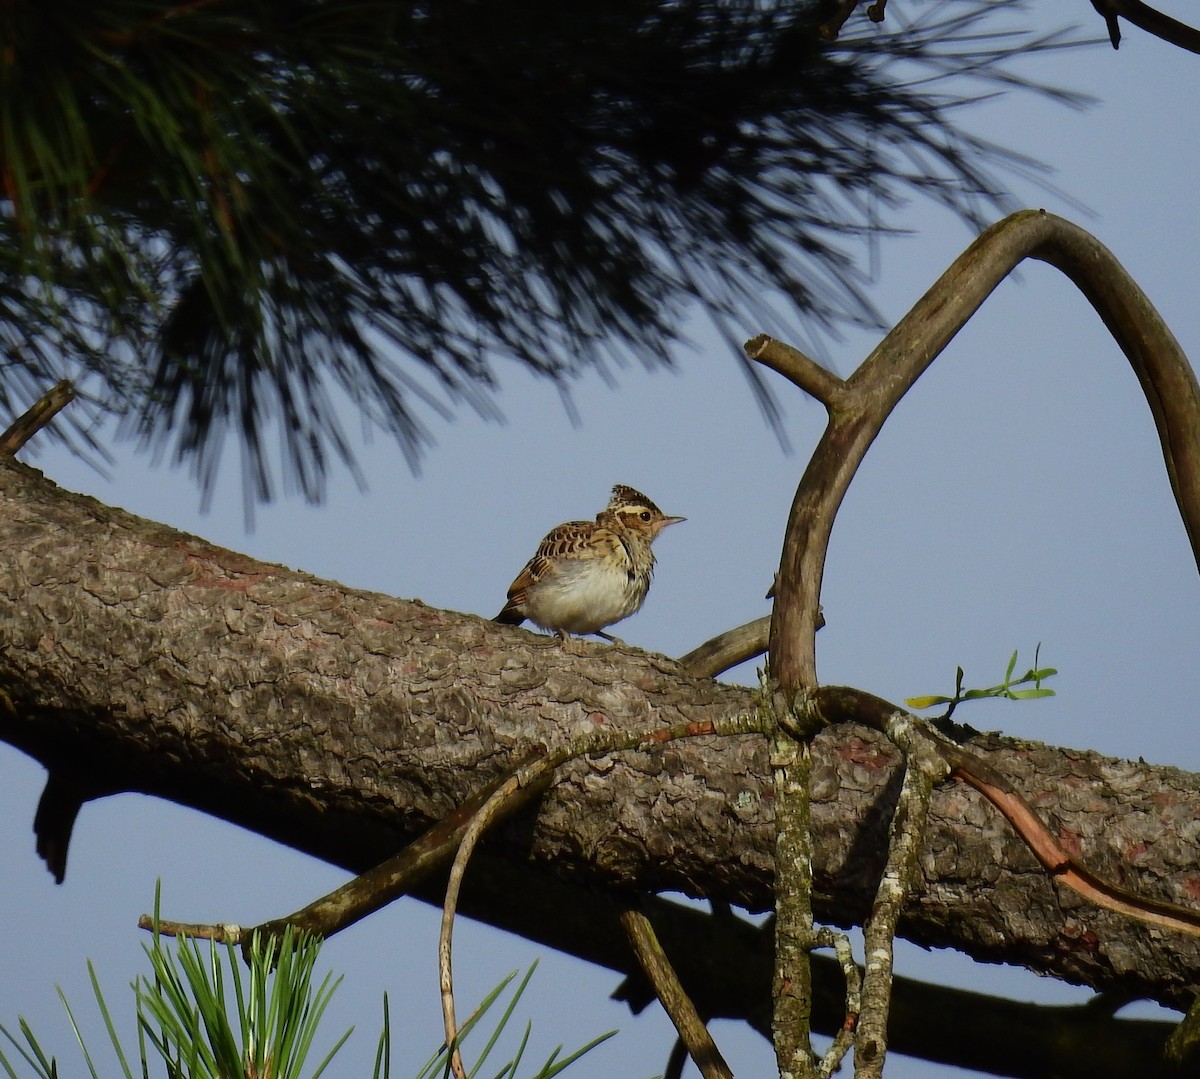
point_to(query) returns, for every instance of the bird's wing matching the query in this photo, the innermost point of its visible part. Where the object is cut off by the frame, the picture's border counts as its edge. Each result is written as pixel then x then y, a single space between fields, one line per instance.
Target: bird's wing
pixel 568 539
pixel 573 538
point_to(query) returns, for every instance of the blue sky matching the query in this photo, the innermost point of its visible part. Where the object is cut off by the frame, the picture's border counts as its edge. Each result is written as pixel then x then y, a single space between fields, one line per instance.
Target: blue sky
pixel 1017 496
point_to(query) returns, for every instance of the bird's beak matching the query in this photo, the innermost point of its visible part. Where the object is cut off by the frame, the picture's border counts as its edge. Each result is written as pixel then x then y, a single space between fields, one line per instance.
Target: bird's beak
pixel 672 521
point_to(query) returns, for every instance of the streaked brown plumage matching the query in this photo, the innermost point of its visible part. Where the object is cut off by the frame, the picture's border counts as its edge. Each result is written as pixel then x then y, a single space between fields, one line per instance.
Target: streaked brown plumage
pixel 589 574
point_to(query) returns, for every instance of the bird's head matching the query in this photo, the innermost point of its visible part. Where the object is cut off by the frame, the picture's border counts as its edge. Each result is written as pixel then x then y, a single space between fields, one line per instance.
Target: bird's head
pixel 634 512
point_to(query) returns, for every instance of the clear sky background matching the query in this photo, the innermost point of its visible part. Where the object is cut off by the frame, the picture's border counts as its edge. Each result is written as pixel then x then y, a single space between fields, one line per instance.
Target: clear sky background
pixel 1017 496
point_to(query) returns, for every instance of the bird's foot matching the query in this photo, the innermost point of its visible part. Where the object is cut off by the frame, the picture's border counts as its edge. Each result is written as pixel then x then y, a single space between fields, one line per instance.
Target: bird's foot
pixel 573 646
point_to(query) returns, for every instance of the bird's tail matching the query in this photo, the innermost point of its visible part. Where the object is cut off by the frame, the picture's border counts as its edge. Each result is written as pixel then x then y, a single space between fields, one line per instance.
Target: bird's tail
pixel 510 616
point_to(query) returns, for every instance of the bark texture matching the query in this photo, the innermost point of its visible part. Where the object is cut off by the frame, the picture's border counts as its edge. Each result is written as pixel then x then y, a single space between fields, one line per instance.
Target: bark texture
pixel 135 657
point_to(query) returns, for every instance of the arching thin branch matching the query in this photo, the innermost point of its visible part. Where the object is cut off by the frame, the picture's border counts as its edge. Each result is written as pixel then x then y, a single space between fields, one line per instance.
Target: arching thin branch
pixel 883 378
pixel 486 815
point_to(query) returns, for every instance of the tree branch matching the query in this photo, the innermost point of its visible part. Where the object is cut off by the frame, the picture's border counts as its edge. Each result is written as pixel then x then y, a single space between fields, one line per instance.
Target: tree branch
pixel 675 1001
pixel 1149 19
pixel 346 723
pixel 800 370
pixel 876 387
pixel 25 426
pixel 858 408
pixel 728 649
pixel 923 769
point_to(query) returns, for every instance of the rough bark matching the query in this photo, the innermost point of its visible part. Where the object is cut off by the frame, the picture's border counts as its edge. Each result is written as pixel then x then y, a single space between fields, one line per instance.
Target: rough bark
pixel 341 722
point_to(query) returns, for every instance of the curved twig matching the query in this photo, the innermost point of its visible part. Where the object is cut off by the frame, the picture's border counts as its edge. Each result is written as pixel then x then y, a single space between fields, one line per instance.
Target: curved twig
pixel 835 704
pixel 843 1039
pixel 1060 863
pixel 535 773
pixel 484 817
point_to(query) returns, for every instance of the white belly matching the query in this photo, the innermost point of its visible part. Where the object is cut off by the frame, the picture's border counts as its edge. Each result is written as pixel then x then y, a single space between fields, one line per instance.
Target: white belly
pixel 584 597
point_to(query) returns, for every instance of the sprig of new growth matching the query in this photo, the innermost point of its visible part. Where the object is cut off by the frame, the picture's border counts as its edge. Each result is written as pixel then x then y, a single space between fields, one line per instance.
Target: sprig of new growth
pixel 1007 689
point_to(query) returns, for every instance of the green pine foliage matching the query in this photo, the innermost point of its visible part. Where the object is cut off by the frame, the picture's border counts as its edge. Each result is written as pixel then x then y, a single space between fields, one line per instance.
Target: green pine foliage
pixel 200 1015
pixel 227 216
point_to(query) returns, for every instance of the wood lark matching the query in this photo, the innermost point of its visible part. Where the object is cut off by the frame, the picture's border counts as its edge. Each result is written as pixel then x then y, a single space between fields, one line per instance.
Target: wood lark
pixel 589 574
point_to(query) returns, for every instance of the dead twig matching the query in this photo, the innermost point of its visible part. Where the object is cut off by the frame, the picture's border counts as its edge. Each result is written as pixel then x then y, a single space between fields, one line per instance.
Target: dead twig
pixel 675 1001
pixel 728 649
pixel 25 426
pixel 1149 19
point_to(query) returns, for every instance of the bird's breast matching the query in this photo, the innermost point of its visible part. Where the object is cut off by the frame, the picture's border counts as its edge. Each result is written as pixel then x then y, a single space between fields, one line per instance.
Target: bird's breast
pixel 586 596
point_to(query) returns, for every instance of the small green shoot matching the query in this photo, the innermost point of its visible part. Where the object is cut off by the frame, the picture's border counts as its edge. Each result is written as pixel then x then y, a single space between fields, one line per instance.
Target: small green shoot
pixel 1008 689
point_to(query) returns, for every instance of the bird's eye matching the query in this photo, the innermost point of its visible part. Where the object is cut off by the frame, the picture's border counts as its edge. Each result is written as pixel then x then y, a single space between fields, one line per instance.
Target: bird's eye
pixel 644 515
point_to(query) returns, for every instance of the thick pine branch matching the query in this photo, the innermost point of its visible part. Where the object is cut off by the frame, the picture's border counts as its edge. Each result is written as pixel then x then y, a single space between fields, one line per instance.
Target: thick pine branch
pixel 341 722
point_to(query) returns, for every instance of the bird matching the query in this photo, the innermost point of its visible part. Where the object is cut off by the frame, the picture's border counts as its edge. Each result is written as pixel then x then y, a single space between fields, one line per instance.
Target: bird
pixel 587 575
